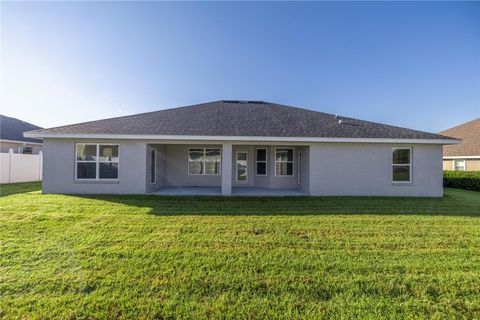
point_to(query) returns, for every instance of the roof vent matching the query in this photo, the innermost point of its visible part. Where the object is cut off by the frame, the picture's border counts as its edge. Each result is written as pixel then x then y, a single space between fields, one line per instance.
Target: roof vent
pixel 243 101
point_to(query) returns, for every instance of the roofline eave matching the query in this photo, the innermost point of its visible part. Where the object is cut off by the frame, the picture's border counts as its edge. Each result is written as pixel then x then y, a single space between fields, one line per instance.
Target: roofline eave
pixel 234 138
pixel 21 141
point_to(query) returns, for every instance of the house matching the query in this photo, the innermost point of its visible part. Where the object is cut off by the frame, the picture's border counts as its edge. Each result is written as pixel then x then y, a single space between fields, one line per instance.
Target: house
pixel 11 136
pixel 241 147
pixel 464 156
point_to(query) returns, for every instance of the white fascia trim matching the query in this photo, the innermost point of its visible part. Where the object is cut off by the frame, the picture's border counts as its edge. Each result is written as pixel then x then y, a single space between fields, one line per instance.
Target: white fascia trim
pixel 235 138
pixel 462 157
pixel 22 142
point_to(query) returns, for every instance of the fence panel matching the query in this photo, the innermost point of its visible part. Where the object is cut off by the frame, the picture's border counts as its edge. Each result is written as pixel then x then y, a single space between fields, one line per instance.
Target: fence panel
pixel 16 167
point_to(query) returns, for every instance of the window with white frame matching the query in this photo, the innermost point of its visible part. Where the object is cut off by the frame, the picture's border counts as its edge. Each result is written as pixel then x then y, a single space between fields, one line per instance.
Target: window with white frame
pixel 284 162
pixel 204 161
pixel 96 161
pixel 459 165
pixel 401 164
pixel 261 162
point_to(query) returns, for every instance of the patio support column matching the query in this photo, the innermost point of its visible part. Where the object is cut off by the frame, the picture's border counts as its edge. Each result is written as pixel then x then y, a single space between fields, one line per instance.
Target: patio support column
pixel 226 169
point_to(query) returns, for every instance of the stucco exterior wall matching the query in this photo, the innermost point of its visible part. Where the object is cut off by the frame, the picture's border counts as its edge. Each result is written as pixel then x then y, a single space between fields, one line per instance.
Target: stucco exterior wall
pixel 282 182
pixel 327 169
pixel 259 181
pixel 59 169
pixel 270 180
pixel 176 168
pixel 160 164
pixel 366 170
pixel 305 169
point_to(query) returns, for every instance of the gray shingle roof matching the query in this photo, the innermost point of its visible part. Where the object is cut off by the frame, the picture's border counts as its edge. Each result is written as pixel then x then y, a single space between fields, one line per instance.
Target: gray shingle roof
pixel 242 118
pixel 13 129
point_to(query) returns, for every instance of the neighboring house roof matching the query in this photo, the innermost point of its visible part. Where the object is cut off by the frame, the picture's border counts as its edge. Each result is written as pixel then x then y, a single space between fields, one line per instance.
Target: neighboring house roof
pixel 239 119
pixel 469 132
pixel 13 129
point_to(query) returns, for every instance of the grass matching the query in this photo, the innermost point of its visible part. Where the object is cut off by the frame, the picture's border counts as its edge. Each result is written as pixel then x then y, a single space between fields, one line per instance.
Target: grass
pixel 150 257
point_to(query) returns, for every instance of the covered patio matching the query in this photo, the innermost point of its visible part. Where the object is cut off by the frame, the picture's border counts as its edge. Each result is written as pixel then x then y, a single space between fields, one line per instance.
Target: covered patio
pixel 227 169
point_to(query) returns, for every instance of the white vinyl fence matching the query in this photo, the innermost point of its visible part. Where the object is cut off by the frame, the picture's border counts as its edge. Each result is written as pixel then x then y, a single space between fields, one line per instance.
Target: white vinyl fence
pixel 16 167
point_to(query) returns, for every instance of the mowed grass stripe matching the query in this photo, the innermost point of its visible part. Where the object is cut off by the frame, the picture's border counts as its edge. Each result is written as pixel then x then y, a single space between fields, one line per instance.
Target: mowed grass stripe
pixel 197 257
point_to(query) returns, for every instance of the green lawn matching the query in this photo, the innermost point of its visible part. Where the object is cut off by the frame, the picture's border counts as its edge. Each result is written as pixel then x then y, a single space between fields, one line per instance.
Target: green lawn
pixel 185 257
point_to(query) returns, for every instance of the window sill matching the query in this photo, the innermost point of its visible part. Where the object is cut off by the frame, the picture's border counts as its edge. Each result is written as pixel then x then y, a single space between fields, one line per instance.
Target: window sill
pixel 96 181
pixel 402 183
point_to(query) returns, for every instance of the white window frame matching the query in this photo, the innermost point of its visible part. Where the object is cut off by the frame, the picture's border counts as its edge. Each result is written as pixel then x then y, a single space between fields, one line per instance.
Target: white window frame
pixel 154 168
pixel 257 161
pixel 459 160
pixel 97 162
pixel 204 173
pixel 402 165
pixel 292 161
pixel 236 166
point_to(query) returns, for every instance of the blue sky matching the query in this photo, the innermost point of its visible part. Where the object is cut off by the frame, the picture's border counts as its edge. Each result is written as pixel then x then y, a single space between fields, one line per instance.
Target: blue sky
pixel 412 64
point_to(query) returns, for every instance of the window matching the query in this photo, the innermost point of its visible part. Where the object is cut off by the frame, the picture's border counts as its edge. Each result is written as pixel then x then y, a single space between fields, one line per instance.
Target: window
pixel 204 161
pixel 401 164
pixel 96 161
pixel 284 162
pixel 25 150
pixel 459 165
pixel 153 166
pixel 261 162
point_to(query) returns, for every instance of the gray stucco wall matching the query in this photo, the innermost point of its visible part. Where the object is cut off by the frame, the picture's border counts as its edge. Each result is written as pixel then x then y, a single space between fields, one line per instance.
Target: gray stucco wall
pixel 365 169
pixel 285 182
pixel 327 169
pixel 59 169
pixel 270 180
pixel 176 168
pixel 160 167
pixel 305 169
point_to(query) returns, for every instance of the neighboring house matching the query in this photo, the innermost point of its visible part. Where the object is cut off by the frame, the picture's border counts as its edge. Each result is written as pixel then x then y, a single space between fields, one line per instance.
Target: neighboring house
pixel 241 147
pixel 11 136
pixel 464 156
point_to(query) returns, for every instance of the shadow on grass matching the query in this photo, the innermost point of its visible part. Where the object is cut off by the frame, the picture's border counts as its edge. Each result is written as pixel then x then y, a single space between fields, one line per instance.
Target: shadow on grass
pixel 454 203
pixel 21 187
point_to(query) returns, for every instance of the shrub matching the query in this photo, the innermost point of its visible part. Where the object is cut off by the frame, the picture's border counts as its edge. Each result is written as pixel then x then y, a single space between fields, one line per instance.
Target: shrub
pixel 468 180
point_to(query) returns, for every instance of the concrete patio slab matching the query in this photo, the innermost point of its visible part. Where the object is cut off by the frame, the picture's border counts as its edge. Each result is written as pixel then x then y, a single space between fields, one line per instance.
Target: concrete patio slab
pixel 216 191
pixel 252 191
pixel 188 191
